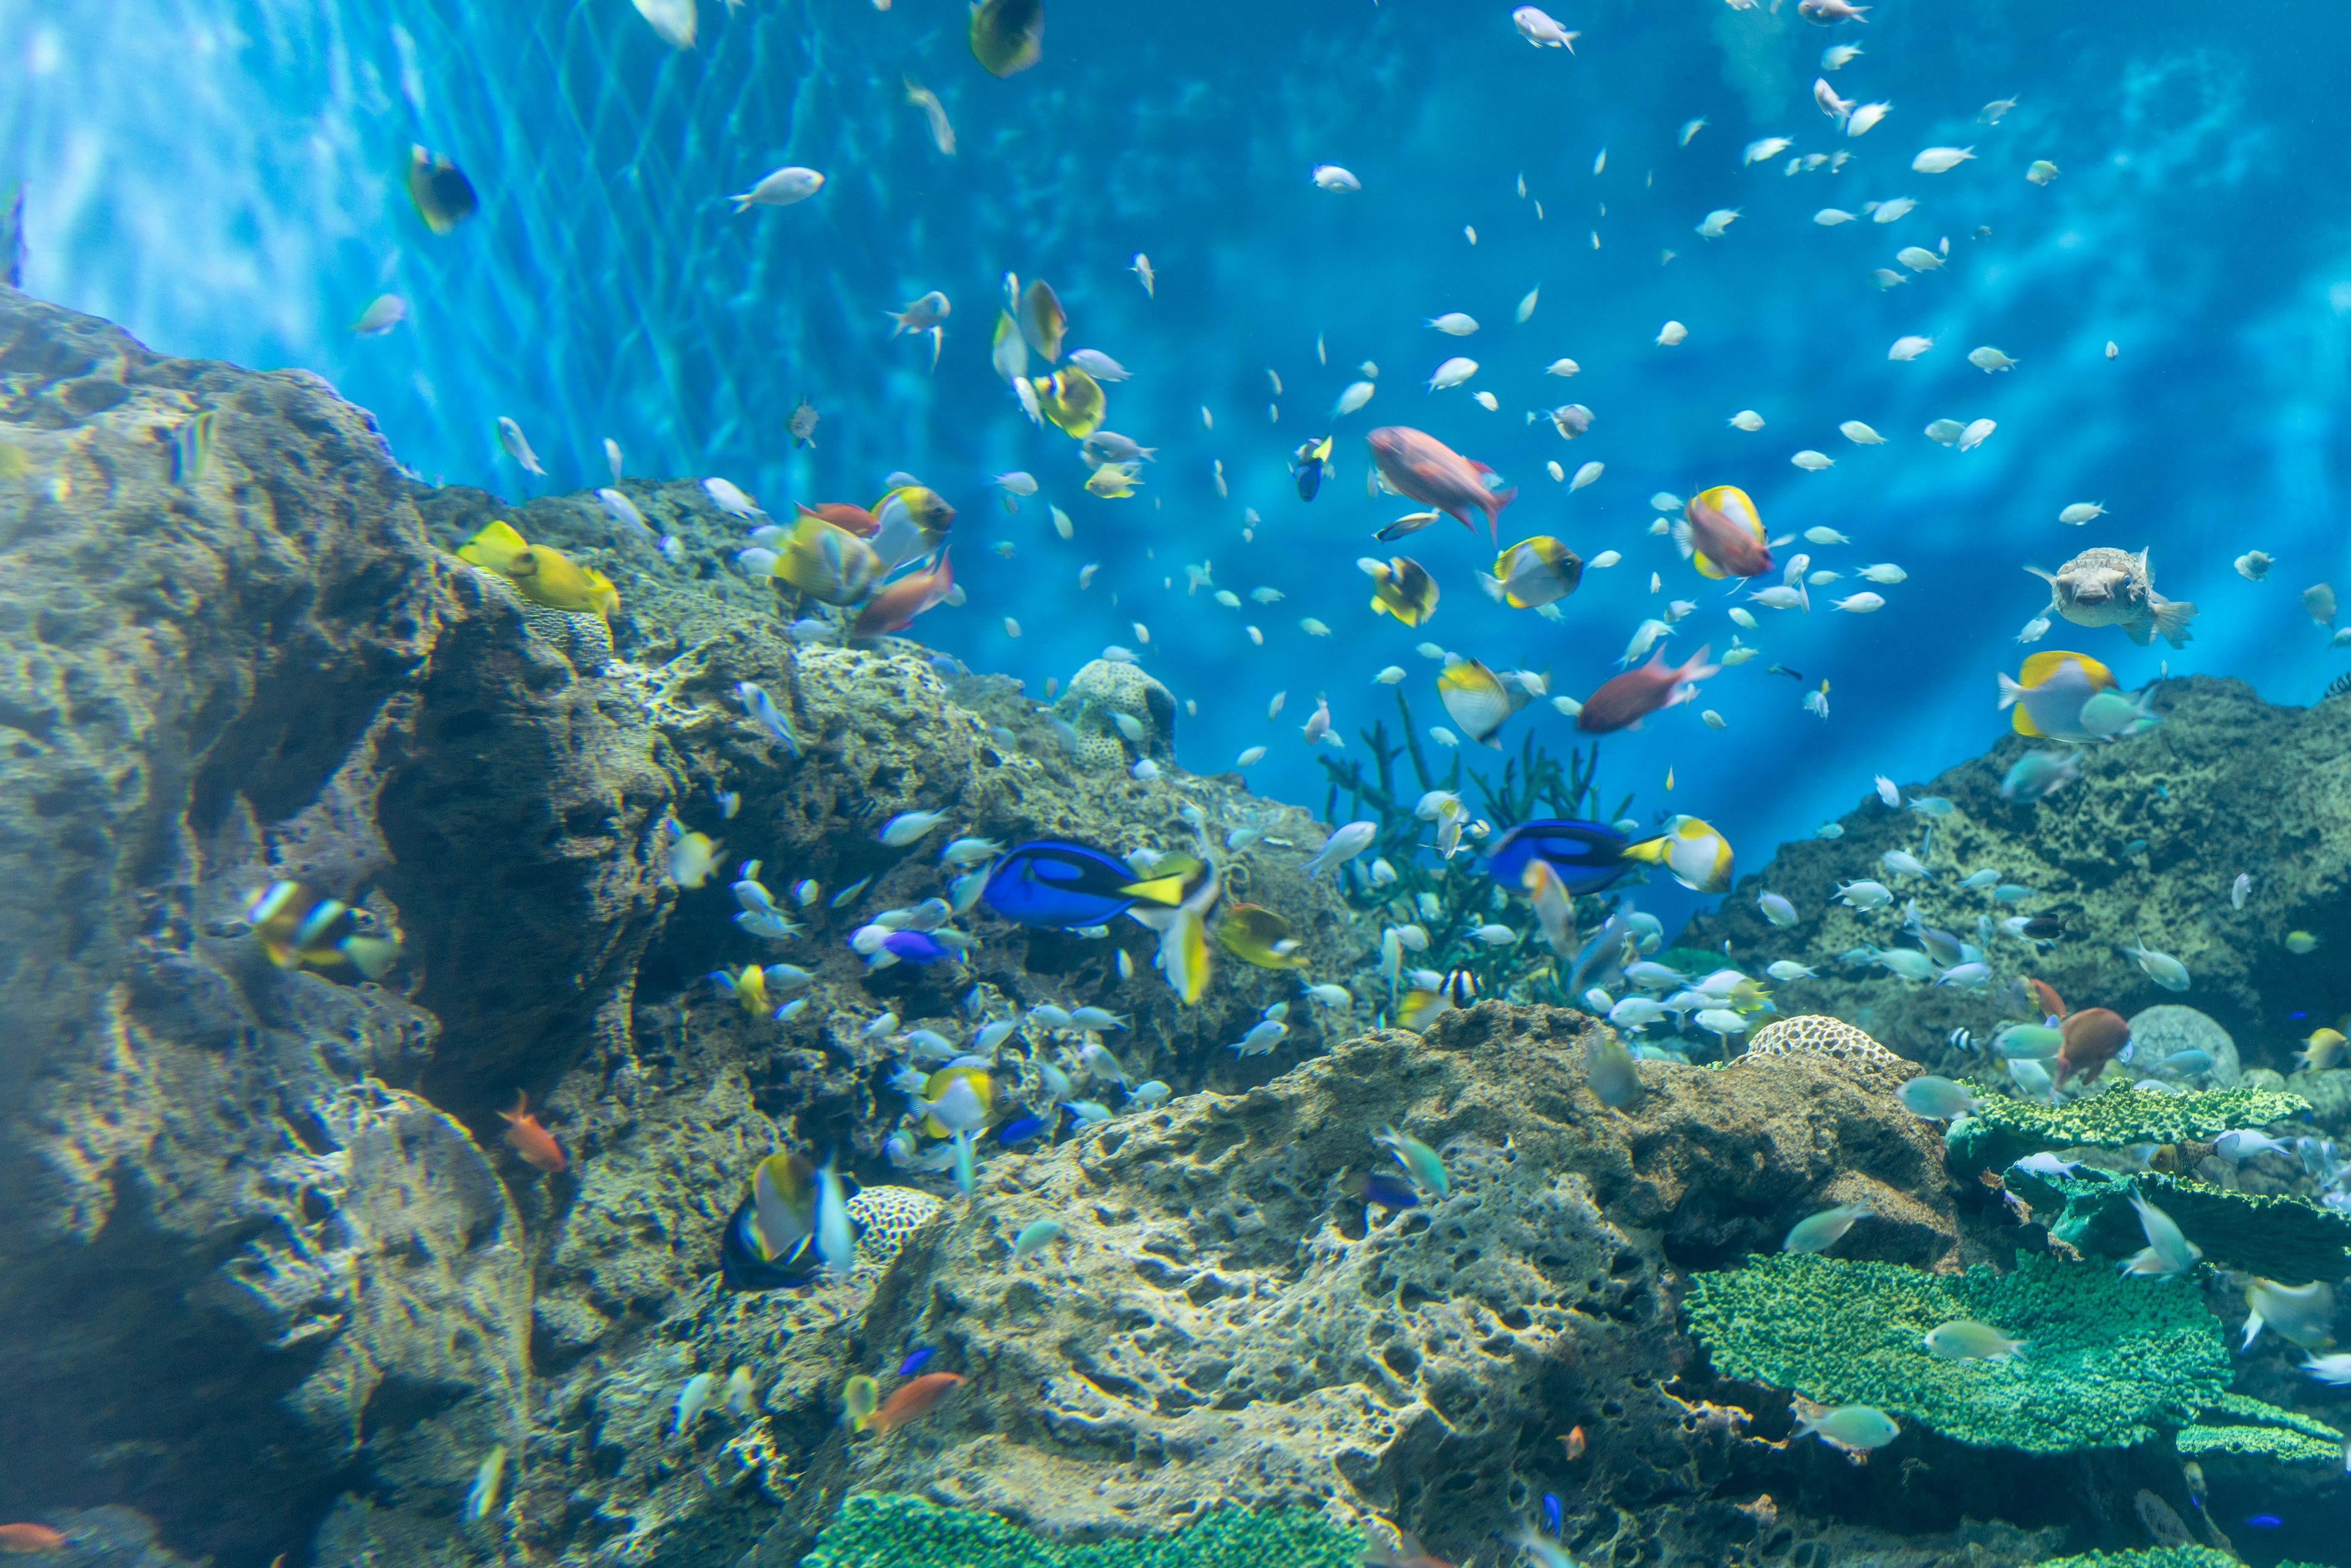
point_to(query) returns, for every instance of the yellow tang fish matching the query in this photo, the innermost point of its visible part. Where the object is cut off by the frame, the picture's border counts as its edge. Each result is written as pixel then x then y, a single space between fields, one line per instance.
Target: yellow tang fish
pixel 1259 937
pixel 1008 36
pixel 1695 853
pixel 827 562
pixel 1477 700
pixel 541 574
pixel 1534 571
pixel 1071 400
pixel 1402 587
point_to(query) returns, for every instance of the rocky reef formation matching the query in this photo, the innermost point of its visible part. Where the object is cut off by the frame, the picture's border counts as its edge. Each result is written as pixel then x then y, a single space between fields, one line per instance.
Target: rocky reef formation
pixel 282 1282
pixel 2145 849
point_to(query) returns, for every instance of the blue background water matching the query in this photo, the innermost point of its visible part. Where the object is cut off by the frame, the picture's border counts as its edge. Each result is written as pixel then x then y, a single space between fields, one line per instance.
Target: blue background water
pixel 224 180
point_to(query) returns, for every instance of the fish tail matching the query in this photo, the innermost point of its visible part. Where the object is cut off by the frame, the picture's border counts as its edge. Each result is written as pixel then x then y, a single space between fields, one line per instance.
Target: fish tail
pixel 2171 619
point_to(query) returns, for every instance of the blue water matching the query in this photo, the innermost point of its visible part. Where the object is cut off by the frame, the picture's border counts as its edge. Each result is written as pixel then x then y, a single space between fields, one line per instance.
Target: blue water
pixel 223 181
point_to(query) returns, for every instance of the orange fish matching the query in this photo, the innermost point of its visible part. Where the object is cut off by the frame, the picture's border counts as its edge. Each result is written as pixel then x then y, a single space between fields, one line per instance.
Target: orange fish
pixel 843 515
pixel 28 1538
pixel 894 608
pixel 2051 1002
pixel 1416 465
pixel 910 1402
pixel 1573 1443
pixel 2093 1038
pixel 534 1142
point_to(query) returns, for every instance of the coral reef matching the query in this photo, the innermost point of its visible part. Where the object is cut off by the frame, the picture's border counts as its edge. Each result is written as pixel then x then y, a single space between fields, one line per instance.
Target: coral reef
pixel 2262 1431
pixel 2002 1129
pixel 1100 696
pixel 2143 849
pixel 2277 1236
pixel 877 1530
pixel 2111 1360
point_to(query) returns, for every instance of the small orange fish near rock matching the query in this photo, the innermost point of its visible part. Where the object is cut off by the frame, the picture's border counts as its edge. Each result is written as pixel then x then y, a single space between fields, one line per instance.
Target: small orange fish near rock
pixel 534 1142
pixel 30 1538
pixel 910 1402
pixel 1573 1443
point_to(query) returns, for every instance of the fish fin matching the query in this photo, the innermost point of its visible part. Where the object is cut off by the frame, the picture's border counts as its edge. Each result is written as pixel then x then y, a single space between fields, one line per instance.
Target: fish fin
pixel 1685 539
pixel 1165 890
pixel 2171 619
pixel 2139 631
pixel 521 1108
pixel 2048 577
pixel 2009 690
pixel 2040 667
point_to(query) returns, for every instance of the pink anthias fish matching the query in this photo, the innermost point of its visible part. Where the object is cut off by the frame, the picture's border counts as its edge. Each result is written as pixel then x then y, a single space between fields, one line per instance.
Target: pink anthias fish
pixel 1424 468
pixel 894 608
pixel 1626 700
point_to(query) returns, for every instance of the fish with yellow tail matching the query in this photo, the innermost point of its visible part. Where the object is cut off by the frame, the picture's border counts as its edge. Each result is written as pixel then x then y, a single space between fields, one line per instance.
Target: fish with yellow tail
pixel 1533 573
pixel 300 928
pixel 1073 399
pixel 1184 934
pixel 2047 696
pixel 1696 854
pixel 1007 36
pixel 1477 700
pixel 1400 587
pixel 541 574
pixel 1721 534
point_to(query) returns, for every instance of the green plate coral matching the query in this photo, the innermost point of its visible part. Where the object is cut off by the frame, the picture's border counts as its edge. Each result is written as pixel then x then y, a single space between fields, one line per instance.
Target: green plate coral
pixel 2279 1238
pixel 2112 1359
pixel 2262 1431
pixel 2003 1129
pixel 2156 1557
pixel 885 1530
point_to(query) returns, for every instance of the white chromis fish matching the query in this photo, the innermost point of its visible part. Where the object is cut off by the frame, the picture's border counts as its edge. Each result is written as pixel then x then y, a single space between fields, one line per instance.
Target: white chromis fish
pixel 1967 1340
pixel 1936 1098
pixel 1819 1232
pixel 1855 1428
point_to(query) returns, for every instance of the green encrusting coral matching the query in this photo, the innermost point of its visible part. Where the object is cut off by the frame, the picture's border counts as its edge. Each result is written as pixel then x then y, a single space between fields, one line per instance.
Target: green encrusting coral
pixel 2279 1236
pixel 2004 1129
pixel 2262 1431
pixel 2112 1359
pixel 2154 1557
pixel 887 1530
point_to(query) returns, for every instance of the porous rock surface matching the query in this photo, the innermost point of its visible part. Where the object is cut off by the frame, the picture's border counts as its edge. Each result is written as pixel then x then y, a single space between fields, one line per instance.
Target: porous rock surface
pixel 2144 848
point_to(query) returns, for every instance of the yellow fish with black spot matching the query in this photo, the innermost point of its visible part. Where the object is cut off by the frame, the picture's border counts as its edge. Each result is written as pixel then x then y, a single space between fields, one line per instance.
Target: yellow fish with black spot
pixel 1071 400
pixel 1696 855
pixel 541 574
pixel 1258 935
pixel 1400 587
pixel 1533 572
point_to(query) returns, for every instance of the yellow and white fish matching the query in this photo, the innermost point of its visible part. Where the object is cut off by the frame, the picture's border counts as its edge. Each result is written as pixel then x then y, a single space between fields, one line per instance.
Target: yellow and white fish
pixel 1694 852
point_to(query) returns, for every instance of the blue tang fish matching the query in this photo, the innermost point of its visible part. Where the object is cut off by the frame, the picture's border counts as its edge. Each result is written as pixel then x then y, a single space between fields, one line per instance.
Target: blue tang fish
pixel 1588 856
pixel 1053 882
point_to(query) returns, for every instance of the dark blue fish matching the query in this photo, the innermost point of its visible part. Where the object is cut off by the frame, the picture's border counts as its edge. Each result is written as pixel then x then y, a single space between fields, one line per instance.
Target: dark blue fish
pixel 1374 1186
pixel 914 1361
pixel 2265 1521
pixel 1588 856
pixel 916 946
pixel 1020 1129
pixel 741 1268
pixel 1550 1512
pixel 1055 884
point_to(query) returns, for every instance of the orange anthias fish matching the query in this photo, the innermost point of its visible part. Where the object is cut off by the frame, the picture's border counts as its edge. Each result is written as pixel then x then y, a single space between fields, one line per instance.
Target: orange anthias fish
pixel 910 1402
pixel 1573 1444
pixel 1419 466
pixel 534 1142
pixel 28 1538
pixel 2093 1036
pixel 894 608
pixel 1626 700
pixel 843 515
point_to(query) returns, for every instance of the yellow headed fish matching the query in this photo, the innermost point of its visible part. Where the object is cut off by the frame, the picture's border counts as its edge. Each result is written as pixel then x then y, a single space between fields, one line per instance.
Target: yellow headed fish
pixel 1402 587
pixel 1071 400
pixel 1723 533
pixel 443 196
pixel 1008 36
pixel 827 562
pixel 1184 930
pixel 2047 697
pixel 751 990
pixel 1042 320
pixel 300 928
pixel 860 1397
pixel 1532 572
pixel 1114 481
pixel 1259 937
pixel 2324 1049
pixel 542 575
pixel 913 522
pixel 1477 700
pixel 1697 856
pixel 950 1084
pixel 1420 1010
